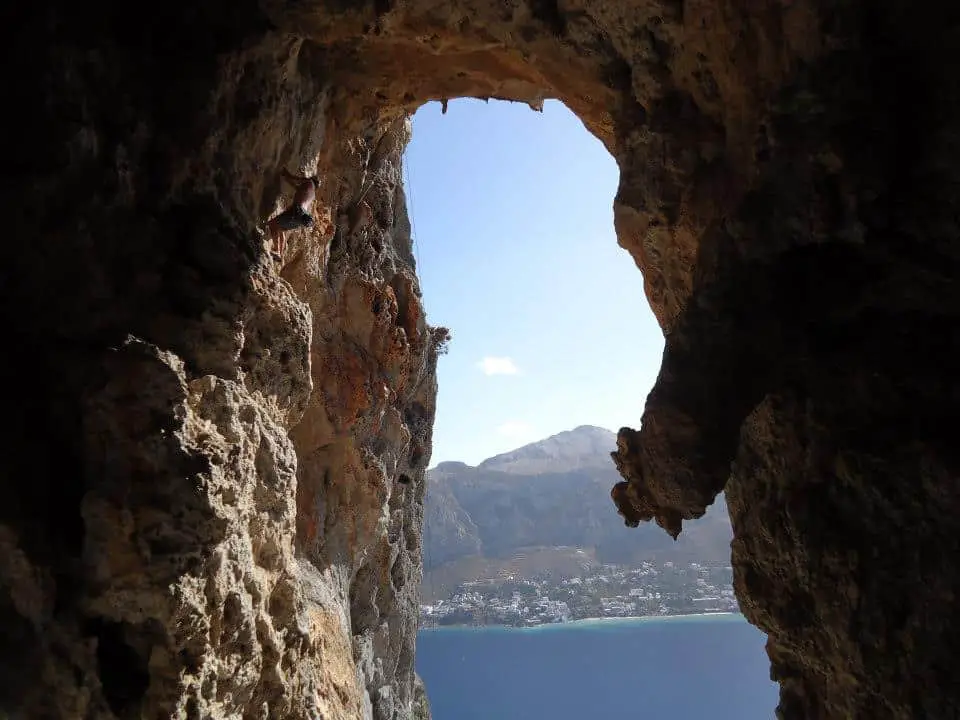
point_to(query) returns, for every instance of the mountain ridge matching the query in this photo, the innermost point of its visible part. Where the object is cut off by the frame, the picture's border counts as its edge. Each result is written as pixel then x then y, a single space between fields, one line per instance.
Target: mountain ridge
pixel 550 494
pixel 584 445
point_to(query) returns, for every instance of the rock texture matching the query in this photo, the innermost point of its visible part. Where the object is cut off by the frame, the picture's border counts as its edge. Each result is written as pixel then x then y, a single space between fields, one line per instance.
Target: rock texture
pixel 199 512
pixel 201 515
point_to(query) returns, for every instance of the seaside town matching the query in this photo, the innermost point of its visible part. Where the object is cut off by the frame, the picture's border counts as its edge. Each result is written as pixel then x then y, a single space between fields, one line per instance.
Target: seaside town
pixel 606 592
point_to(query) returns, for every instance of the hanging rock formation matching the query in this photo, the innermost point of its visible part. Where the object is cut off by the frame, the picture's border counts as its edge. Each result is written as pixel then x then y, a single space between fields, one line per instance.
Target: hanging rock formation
pixel 201 510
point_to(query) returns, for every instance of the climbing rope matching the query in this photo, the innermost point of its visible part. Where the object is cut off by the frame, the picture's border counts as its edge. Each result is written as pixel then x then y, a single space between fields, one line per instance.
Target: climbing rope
pixel 405 179
pixel 425 553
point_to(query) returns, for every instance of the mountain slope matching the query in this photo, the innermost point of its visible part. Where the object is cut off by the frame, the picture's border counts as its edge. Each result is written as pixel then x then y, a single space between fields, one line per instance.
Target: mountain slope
pixel 549 494
pixel 583 447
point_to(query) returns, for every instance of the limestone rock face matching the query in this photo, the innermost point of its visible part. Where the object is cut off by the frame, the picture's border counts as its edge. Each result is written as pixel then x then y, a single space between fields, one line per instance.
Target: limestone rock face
pixel 202 512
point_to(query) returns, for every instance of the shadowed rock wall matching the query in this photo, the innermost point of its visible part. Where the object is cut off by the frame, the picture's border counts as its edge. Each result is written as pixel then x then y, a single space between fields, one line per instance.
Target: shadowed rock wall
pixel 202 513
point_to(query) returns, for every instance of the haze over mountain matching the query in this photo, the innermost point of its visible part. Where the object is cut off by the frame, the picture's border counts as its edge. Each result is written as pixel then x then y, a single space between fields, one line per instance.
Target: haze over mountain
pixel 548 504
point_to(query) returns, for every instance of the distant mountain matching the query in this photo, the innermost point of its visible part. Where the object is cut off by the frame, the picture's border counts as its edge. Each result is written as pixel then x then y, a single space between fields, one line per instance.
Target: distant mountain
pixel 583 447
pixel 549 498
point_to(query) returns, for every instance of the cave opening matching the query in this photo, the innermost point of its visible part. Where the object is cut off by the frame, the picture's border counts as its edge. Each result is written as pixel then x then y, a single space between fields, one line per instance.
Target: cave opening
pixel 788 188
pixel 680 170
pixel 516 253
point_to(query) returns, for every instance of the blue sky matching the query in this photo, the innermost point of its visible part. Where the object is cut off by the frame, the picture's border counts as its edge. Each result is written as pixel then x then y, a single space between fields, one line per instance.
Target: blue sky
pixel 513 224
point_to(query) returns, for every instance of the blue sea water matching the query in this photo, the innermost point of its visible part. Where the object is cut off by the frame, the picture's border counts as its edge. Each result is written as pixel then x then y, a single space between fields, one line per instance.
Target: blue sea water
pixel 682 668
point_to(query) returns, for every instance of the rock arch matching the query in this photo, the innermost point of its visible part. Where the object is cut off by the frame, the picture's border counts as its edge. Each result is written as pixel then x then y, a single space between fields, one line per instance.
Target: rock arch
pixel 220 507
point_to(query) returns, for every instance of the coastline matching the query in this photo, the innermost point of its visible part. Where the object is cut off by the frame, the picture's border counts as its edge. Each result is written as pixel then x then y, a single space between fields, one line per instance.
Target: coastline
pixel 587 623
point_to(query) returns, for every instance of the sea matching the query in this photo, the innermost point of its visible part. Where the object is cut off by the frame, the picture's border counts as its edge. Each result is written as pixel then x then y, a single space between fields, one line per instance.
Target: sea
pixel 709 667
